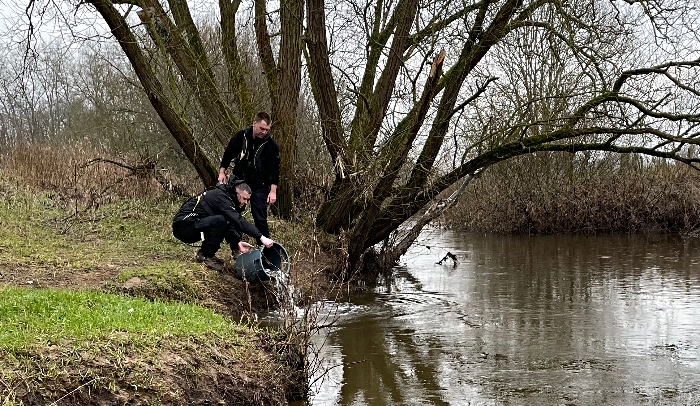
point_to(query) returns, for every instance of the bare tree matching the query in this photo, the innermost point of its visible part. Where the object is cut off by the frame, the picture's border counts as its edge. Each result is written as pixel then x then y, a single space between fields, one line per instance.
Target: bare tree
pixel 608 97
pixel 416 96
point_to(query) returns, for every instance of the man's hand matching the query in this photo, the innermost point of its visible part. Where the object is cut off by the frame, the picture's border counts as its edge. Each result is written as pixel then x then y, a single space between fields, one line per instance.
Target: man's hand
pixel 266 241
pixel 244 247
pixel 222 175
pixel 272 196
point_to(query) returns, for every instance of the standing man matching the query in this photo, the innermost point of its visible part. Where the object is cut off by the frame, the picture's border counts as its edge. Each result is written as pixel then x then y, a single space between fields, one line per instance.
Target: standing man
pixel 256 159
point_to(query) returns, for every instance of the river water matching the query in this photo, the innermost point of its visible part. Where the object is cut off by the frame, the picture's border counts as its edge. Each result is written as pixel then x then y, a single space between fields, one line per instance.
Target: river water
pixel 545 320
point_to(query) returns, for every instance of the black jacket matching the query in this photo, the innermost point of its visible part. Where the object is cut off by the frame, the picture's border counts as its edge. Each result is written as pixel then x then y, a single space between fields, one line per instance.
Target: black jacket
pixel 218 201
pixel 255 160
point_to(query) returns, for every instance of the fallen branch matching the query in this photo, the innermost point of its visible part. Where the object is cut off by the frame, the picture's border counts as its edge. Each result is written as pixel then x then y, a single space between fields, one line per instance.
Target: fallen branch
pixel 451 256
pixel 434 210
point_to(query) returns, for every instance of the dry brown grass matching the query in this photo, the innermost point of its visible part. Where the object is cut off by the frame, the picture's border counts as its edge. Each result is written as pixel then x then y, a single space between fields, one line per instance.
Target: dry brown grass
pixel 532 196
pixel 84 175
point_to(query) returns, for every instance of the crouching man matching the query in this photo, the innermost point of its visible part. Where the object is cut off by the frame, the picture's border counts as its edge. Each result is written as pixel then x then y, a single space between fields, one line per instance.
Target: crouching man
pixel 216 215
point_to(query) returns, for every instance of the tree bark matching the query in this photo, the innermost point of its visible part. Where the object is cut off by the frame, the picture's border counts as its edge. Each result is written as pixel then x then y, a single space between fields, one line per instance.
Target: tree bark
pixel 237 83
pixel 323 85
pixel 292 15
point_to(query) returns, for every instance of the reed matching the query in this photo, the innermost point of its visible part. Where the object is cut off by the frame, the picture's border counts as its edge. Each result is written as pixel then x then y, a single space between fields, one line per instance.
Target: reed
pixel 541 195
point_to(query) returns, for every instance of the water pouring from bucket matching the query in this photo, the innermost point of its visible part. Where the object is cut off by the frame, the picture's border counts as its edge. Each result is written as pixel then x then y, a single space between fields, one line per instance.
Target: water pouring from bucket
pixel 263 264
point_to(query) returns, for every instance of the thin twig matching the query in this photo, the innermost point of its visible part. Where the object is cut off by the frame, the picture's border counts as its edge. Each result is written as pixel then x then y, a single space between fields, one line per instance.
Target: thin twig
pixel 74 390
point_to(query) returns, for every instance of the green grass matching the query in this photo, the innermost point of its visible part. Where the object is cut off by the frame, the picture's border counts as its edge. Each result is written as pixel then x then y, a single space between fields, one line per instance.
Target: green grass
pixel 36 230
pixel 30 317
pixel 43 235
pixel 143 323
pixel 169 280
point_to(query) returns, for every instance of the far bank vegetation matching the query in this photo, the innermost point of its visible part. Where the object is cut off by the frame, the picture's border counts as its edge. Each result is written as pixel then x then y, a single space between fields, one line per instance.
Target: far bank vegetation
pixel 583 194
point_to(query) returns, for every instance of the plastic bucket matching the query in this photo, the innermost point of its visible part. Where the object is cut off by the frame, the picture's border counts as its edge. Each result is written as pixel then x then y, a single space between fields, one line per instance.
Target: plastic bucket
pixel 261 264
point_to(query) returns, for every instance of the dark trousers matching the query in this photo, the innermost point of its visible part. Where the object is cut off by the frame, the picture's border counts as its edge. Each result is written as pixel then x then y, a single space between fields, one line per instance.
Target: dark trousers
pixel 215 230
pixel 258 208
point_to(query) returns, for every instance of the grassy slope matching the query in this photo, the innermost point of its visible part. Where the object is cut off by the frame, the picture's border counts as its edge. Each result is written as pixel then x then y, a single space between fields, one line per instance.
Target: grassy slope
pixel 103 305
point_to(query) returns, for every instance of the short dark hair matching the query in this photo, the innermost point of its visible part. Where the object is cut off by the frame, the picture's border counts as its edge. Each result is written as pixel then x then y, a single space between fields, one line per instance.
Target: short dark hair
pixel 243 187
pixel 262 116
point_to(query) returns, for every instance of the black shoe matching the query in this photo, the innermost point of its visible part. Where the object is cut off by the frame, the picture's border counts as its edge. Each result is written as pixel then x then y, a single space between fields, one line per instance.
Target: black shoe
pixel 201 257
pixel 211 262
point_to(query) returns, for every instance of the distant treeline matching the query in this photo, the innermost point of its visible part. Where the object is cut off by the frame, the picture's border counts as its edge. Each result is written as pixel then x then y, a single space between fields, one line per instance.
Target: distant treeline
pixel 566 193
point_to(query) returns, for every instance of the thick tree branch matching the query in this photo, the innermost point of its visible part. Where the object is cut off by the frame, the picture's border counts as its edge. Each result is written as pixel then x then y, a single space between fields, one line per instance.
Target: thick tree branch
pixel 392 253
pixel 405 13
pixel 163 31
pixel 265 54
pixel 472 52
pixel 370 109
pixel 660 69
pixel 323 85
pixel 399 146
pixel 172 119
pixel 183 19
pixel 237 82
pixel 291 20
